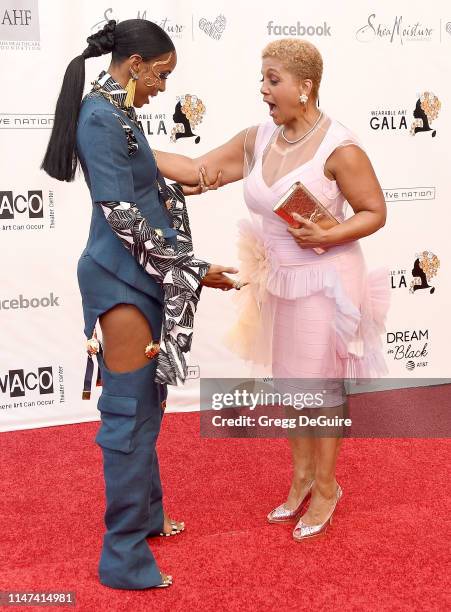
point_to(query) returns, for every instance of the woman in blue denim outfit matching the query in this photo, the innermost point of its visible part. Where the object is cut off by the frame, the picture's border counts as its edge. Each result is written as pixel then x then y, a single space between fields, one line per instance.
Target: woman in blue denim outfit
pixel 137 275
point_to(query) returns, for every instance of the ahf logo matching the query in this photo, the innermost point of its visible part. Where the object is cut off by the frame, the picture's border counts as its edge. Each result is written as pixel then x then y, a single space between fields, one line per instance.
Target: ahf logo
pixel 31 205
pixel 17 382
pixel 19 25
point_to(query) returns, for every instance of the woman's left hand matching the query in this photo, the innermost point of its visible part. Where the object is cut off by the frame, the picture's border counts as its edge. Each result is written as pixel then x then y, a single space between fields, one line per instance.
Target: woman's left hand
pixel 307 234
pixel 203 185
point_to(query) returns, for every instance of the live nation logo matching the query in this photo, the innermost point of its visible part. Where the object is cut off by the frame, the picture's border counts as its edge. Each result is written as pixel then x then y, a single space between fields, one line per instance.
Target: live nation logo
pixel 19 25
pixel 410 347
pixel 425 266
pixel 425 110
pixel 409 194
pixel 32 386
pixel 26 121
pixel 27 210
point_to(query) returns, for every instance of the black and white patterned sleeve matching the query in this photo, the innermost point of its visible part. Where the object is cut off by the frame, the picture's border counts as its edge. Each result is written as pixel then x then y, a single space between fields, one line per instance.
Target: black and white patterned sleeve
pixel 179 272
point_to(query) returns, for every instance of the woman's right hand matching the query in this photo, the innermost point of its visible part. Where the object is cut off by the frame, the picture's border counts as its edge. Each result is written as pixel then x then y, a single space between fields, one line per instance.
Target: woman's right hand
pixel 204 184
pixel 217 279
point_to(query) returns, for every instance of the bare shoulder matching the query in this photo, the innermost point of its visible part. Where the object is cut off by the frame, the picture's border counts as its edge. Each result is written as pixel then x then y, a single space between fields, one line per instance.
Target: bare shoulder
pixel 347 151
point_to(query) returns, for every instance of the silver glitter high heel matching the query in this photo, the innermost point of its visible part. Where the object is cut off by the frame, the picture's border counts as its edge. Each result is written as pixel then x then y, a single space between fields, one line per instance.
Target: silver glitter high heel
pixel 282 514
pixel 303 531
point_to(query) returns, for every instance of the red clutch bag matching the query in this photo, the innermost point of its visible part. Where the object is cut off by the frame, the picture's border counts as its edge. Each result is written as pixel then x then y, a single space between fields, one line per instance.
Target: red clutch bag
pixel 300 200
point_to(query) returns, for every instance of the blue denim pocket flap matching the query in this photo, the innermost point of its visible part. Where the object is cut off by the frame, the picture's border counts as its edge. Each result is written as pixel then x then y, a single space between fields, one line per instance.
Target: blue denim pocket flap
pixel 118 416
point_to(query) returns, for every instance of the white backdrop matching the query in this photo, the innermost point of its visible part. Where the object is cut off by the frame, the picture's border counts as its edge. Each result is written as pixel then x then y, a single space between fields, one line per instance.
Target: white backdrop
pixel 378 61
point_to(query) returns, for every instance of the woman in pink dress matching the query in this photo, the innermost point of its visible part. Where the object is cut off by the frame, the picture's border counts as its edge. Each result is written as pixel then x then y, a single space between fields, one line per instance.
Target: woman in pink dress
pixel 315 318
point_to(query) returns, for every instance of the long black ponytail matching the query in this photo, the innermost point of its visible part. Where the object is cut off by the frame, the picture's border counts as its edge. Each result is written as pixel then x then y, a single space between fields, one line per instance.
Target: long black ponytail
pixel 123 40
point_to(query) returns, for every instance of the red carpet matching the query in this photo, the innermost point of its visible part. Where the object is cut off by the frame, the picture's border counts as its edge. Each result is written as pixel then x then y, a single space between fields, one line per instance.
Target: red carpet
pixel 386 550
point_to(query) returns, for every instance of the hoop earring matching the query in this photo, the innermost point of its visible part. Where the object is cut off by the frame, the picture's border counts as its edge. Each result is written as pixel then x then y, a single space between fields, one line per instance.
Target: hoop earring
pixel 130 88
pixel 303 98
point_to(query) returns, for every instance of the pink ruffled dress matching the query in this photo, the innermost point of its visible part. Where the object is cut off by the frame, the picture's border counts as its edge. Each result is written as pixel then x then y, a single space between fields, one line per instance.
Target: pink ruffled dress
pixel 305 315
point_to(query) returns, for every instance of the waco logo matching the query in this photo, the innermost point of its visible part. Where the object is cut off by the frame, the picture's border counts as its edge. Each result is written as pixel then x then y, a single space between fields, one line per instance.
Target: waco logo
pixel 16 383
pixel 12 204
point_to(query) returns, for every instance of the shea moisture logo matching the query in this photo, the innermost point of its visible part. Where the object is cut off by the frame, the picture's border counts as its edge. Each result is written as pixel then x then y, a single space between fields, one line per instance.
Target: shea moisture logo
pixel 398 29
pixel 174 29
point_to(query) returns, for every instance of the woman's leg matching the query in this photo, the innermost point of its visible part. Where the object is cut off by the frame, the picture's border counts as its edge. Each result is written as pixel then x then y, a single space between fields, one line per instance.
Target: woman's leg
pixel 301 352
pixel 125 333
pixel 327 447
pixel 130 406
pixel 303 454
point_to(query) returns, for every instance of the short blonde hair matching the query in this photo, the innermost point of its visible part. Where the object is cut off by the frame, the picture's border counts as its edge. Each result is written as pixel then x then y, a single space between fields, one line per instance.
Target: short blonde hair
pixel 298 56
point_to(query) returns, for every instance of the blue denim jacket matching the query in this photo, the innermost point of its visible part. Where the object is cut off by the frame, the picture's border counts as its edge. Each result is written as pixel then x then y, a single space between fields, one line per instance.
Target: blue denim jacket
pixel 116 172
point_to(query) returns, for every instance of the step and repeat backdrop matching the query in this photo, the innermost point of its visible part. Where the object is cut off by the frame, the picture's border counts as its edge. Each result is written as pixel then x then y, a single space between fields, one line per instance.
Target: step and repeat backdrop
pixel 385 75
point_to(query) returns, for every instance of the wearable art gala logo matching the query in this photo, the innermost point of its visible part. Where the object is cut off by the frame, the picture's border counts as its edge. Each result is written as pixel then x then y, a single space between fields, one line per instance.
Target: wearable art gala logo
pixel 188 114
pixel 425 112
pixel 153 124
pixel 425 267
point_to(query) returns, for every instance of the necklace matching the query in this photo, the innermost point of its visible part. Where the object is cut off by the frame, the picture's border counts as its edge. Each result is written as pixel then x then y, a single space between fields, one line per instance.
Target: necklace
pixel 306 134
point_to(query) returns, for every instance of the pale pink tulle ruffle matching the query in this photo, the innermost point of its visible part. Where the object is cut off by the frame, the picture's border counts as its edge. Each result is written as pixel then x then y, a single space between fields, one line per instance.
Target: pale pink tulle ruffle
pixel 358 330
